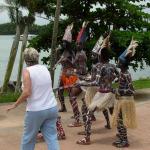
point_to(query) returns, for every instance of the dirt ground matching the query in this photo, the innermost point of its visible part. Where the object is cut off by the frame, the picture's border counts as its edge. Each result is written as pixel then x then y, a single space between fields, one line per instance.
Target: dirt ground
pixel 11 126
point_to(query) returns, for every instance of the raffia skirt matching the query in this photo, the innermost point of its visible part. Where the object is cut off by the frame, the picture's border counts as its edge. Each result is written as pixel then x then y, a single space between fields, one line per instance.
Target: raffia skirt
pixel 102 101
pixel 89 94
pixel 125 105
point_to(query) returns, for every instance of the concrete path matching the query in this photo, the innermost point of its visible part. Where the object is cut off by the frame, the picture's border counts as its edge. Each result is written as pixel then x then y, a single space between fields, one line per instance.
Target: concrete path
pixel 11 126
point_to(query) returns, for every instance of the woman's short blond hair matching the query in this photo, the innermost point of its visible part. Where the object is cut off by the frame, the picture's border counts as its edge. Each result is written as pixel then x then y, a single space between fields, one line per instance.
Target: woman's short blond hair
pixel 31 56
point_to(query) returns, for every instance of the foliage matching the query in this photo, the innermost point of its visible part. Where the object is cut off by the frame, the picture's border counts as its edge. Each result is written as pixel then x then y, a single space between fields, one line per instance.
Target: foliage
pixel 123 17
pixel 138 84
pixel 119 42
pixel 142 83
pixel 9 29
pixel 43 40
pixel 13 7
pixel 39 6
pixel 121 39
pixel 119 13
pixel 9 97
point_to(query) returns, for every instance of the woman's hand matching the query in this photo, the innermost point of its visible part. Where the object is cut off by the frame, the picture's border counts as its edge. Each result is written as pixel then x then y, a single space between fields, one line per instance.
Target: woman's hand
pixel 13 106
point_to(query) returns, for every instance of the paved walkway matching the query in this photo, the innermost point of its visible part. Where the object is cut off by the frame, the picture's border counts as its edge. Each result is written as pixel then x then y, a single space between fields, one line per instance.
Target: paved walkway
pixel 11 126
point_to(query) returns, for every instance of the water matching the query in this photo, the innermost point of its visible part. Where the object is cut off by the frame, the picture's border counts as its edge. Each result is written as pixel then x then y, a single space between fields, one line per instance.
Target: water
pixel 5 47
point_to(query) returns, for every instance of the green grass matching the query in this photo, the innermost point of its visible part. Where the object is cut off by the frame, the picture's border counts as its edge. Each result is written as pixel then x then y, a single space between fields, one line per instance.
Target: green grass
pixel 142 83
pixel 138 84
pixel 8 97
pixel 12 97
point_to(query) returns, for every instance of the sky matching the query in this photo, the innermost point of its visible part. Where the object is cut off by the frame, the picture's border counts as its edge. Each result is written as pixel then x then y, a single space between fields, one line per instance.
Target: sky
pixel 4 16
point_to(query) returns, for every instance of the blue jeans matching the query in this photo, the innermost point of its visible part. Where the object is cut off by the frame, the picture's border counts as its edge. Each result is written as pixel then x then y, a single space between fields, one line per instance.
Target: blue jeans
pixel 44 120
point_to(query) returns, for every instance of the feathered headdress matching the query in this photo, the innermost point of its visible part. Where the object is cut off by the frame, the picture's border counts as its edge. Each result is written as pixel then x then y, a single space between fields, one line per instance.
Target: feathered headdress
pixel 68 35
pixel 98 45
pixel 129 52
pixel 101 44
pixel 82 36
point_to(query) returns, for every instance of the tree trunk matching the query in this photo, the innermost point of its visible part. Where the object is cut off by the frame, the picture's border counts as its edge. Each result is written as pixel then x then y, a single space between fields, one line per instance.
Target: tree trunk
pixel 11 60
pixel 54 39
pixel 24 43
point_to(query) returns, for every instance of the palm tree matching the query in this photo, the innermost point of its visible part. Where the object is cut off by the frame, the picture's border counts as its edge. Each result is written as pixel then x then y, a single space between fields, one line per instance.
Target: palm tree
pixel 28 21
pixel 54 38
pixel 46 7
pixel 32 7
pixel 15 16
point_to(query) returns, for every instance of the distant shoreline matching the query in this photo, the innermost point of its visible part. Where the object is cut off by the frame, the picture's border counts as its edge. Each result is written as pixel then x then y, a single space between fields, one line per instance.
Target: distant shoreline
pixel 6 42
pixel 10 29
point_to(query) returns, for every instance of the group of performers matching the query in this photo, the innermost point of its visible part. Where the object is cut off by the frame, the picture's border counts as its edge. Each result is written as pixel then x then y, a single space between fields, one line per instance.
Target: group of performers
pixel 97 85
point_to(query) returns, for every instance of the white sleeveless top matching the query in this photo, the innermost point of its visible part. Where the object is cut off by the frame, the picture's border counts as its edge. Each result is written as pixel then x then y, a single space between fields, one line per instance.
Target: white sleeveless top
pixel 42 96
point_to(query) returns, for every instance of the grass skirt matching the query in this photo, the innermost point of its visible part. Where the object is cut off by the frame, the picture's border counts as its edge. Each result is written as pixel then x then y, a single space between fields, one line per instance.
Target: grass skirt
pixel 90 93
pixel 126 105
pixel 102 101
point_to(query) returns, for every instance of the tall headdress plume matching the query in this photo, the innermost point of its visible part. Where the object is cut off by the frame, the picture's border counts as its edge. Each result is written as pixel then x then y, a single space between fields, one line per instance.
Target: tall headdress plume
pixel 82 36
pixel 68 35
pixel 129 52
pixel 97 45
pixel 105 43
pixel 101 44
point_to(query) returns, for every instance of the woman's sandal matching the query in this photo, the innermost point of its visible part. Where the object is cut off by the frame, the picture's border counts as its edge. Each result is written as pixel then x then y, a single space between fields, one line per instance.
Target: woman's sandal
pixel 75 124
pixel 84 141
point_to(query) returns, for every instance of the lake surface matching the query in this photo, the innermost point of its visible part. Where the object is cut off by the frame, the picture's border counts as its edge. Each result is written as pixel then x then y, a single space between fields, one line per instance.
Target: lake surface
pixel 5 47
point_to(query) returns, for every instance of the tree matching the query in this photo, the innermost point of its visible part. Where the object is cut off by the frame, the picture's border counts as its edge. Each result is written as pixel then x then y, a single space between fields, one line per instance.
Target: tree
pixel 24 42
pixel 121 16
pixel 54 38
pixel 9 29
pixel 28 21
pixel 33 7
pixel 15 16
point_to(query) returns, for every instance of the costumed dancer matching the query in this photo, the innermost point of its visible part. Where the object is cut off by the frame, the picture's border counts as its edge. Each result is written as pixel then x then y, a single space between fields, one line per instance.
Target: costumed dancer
pixel 124 115
pixel 104 97
pixel 60 132
pixel 91 91
pixel 96 51
pixel 81 58
pixel 66 61
pixel 69 77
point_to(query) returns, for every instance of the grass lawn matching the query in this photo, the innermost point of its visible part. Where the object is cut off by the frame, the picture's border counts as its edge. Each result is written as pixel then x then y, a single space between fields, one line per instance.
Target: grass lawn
pixel 142 83
pixel 12 97
pixel 9 97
